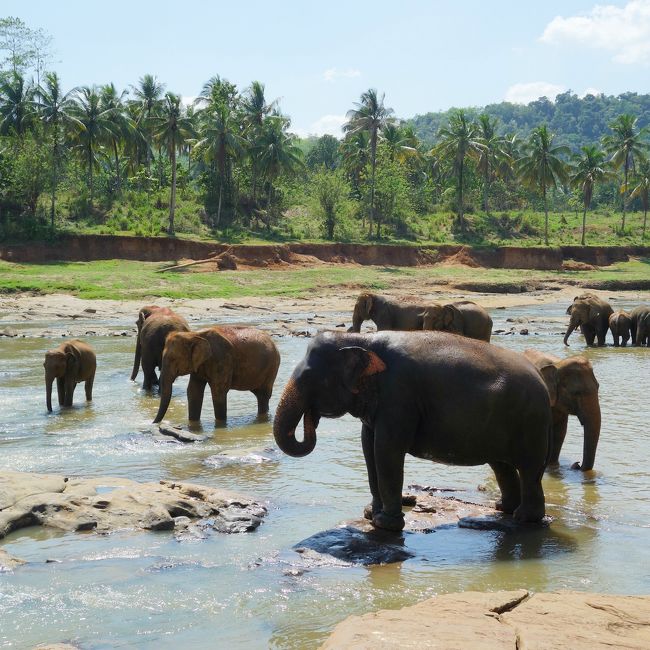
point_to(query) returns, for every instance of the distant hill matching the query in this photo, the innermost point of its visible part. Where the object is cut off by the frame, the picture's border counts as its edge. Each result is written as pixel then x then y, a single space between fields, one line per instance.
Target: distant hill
pixel 576 121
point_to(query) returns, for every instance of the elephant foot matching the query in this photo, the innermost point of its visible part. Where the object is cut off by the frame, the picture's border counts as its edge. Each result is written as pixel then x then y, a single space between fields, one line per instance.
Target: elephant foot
pixel 388 522
pixel 371 510
pixel 507 506
pixel 529 513
pixel 582 468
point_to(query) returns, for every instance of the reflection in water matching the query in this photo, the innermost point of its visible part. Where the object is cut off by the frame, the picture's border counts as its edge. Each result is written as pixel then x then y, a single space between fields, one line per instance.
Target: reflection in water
pixel 253 590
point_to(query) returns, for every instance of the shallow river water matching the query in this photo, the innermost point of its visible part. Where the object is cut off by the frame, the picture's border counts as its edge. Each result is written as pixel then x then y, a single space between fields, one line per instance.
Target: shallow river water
pixel 252 590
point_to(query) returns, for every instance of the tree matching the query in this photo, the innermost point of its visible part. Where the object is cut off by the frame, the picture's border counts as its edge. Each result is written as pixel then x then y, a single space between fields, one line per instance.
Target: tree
pixel 625 143
pixel 16 41
pixel 172 128
pixel 324 153
pixel 400 142
pixel 591 168
pixel 330 189
pixel 541 166
pixel 16 105
pixel 642 188
pixel 56 112
pixel 458 140
pixel 491 153
pixel 112 104
pixel 369 115
pixel 148 94
pixel 354 152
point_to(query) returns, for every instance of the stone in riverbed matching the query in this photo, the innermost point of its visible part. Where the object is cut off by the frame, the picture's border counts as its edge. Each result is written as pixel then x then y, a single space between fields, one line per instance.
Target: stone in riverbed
pixel 8 562
pixel 181 435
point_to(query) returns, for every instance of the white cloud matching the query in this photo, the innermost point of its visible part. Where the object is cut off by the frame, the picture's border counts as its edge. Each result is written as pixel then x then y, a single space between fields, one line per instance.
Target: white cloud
pixel 331 124
pixel 589 91
pixel 188 100
pixel 623 31
pixel 523 93
pixel 332 74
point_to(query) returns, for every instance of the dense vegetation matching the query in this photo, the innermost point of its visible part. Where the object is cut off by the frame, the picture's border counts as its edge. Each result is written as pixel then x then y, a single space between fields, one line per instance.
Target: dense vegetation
pixel 102 159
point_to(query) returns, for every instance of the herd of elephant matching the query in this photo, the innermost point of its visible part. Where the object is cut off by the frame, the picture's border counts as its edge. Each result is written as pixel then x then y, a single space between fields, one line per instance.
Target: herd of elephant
pixel 428 383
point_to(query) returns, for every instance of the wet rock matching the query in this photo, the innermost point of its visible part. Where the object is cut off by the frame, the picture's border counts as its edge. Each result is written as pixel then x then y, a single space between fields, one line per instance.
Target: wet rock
pixel 181 435
pixel 523 332
pixel 503 620
pixel 9 562
pixel 502 523
pixel 56 646
pixel 242 457
pixel 108 504
pixel 90 310
pixel 9 332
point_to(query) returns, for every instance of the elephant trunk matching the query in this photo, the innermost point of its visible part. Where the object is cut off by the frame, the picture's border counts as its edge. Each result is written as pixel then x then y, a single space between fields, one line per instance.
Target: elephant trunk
pixel 49 380
pixel 357 320
pixel 590 419
pixel 136 360
pixel 291 408
pixel 573 325
pixel 166 381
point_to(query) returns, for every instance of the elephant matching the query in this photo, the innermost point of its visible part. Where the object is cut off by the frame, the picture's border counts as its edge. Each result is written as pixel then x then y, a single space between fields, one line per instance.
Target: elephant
pixel 464 317
pixel 591 314
pixel 433 395
pixel 143 314
pixel 237 358
pixel 620 325
pixel 71 363
pixel 153 332
pixel 573 389
pixel 387 314
pixel 640 325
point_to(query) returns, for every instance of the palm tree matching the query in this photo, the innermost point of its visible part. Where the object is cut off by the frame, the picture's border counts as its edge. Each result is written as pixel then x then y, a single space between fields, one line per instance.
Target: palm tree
pixel 491 154
pixel 148 94
pixel 591 168
pixel 112 103
pixel 401 142
pixel 642 188
pixel 56 112
pixel 277 153
pixel 625 143
pixel 172 128
pixel 16 103
pixel 371 116
pixel 541 167
pixel 458 140
pixel 97 127
pixel 354 153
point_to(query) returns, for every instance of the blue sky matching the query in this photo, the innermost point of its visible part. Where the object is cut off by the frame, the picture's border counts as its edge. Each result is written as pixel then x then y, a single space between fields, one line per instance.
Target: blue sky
pixel 317 58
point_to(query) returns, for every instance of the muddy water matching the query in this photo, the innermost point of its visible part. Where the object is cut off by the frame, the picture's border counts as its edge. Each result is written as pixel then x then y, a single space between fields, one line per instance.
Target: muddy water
pixel 252 591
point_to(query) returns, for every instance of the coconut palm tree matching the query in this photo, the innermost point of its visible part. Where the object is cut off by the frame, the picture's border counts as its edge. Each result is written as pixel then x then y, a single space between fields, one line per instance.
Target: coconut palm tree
pixel 541 166
pixel 642 188
pixel 16 104
pixel 459 140
pixel 97 124
pixel 112 103
pixel 370 115
pixel 55 110
pixel 491 154
pixel 148 94
pixel 401 142
pixel 171 128
pixel 624 144
pixel 591 168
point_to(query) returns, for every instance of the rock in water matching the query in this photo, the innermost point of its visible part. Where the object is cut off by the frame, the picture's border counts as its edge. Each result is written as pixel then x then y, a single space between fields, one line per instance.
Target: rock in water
pixel 181 434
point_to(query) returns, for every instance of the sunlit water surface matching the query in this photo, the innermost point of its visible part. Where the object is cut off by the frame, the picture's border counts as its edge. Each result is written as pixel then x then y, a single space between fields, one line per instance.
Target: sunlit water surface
pixel 243 591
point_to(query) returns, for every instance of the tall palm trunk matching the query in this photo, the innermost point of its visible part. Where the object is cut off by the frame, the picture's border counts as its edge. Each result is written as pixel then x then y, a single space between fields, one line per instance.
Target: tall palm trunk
pixel 584 224
pixel 373 165
pixel 90 171
pixel 461 212
pixel 645 219
pixel 219 204
pixel 54 179
pixel 545 217
pixel 117 165
pixel 172 199
pixel 486 188
pixel 625 172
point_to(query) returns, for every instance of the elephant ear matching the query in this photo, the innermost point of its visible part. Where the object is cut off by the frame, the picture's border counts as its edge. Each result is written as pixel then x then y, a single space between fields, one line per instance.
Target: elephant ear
pixel 358 363
pixel 367 304
pixel 594 311
pixel 452 319
pixel 200 352
pixel 551 378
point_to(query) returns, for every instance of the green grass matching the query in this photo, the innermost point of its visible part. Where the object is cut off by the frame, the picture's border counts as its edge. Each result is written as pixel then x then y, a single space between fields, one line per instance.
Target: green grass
pixel 120 279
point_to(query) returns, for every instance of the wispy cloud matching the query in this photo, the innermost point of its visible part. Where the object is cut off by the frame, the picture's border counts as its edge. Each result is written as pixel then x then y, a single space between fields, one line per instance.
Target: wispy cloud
pixel 331 124
pixel 523 93
pixel 623 31
pixel 332 74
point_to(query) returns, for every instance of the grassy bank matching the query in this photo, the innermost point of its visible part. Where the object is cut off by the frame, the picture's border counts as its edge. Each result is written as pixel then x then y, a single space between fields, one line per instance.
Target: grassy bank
pixel 120 279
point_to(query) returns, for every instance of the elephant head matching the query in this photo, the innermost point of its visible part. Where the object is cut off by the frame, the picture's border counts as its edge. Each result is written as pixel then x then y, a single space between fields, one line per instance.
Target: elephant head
pixel 188 352
pixel 143 314
pixel 584 310
pixel 325 383
pixel 445 318
pixel 362 311
pixel 61 364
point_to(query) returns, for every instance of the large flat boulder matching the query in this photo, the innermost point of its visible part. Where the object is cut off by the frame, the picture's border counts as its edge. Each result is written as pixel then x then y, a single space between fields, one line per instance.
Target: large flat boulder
pixel 503 620
pixel 107 504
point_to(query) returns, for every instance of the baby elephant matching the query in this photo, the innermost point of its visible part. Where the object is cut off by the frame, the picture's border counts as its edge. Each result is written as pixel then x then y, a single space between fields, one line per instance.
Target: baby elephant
pixel 620 325
pixel 238 358
pixel 71 363
pixel 465 318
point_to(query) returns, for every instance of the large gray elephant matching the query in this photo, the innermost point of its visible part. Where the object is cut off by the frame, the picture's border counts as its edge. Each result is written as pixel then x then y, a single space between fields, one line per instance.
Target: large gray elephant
pixel 463 317
pixel 433 395
pixel 153 333
pixel 226 358
pixel 71 363
pixel 640 325
pixel 620 325
pixel 387 313
pixel 591 313
pixel 573 389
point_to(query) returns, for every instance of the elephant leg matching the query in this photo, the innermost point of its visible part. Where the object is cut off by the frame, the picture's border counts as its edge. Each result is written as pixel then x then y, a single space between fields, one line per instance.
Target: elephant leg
pixel 195 392
pixel 560 421
pixel 532 507
pixel 219 402
pixel 368 446
pixel 589 333
pixel 616 338
pixel 69 393
pixel 602 336
pixel 508 481
pixel 149 372
pixel 89 388
pixel 263 396
pixel 60 390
